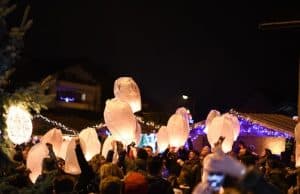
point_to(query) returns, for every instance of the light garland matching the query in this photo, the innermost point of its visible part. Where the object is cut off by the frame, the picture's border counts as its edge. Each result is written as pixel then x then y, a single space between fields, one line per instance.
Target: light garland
pixel 55 123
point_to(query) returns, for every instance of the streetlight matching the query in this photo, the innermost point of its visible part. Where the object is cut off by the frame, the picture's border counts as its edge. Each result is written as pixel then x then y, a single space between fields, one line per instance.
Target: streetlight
pixel 185 97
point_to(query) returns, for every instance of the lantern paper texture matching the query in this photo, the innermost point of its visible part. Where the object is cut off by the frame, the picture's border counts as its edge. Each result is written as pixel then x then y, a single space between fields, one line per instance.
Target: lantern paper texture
pixel 162 139
pixel 183 111
pixel 90 143
pixel 178 130
pixel 54 137
pixel 297 133
pixel 35 158
pixel 19 125
pixel 297 138
pixel 120 120
pixel 71 162
pixel 297 155
pixel 107 145
pixel 63 149
pixel 222 126
pixel 128 91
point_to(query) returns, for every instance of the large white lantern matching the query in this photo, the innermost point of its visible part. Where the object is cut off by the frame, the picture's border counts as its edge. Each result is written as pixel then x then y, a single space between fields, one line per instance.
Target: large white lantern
pixel 107 145
pixel 35 158
pixel 19 124
pixel 297 138
pixel 120 120
pixel 127 90
pixel 90 143
pixel 162 139
pixel 71 162
pixel 211 115
pixel 178 130
pixel 222 126
pixel 54 137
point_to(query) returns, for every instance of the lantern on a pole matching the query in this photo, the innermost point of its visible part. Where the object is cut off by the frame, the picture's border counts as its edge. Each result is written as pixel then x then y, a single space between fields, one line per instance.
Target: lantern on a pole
pixel 120 120
pixel 90 143
pixel 71 162
pixel 178 130
pixel 128 91
pixel 35 158
pixel 162 139
pixel 19 124
pixel 54 137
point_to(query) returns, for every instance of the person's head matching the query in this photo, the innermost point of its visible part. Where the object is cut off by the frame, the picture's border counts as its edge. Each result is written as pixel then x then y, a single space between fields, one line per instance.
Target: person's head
pixel 205 151
pixel 48 164
pixel 110 169
pixel 110 185
pixel 63 184
pixel 142 154
pixel 242 145
pixel 149 150
pixel 154 165
pixel 135 183
pixel 193 154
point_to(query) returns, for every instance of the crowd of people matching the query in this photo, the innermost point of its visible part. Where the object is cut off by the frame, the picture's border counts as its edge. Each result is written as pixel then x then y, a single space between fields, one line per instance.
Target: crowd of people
pixel 132 170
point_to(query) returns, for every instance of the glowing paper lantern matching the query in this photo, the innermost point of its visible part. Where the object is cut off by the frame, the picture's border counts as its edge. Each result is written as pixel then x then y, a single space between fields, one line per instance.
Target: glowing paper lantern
pixel 90 143
pixel 178 130
pixel 120 120
pixel 184 112
pixel 127 90
pixel 71 162
pixel 35 158
pixel 63 149
pixel 297 138
pixel 162 139
pixel 222 126
pixel 54 137
pixel 107 145
pixel 211 115
pixel 138 134
pixel 19 125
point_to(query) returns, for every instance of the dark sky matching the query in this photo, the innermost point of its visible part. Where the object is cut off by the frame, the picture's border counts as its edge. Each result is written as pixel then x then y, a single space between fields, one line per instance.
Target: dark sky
pixel 212 51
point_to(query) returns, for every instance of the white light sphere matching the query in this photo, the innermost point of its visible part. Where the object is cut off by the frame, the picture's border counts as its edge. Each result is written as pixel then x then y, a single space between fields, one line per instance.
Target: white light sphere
pixel 120 120
pixel 162 139
pixel 35 158
pixel 19 124
pixel 178 130
pixel 127 90
pixel 90 143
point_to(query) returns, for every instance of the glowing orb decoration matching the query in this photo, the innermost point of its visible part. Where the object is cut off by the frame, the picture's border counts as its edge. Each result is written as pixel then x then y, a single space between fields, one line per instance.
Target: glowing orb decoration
pixel 54 137
pixel 71 162
pixel 90 143
pixel 35 158
pixel 107 146
pixel 222 126
pixel 178 130
pixel 127 90
pixel 297 138
pixel 19 125
pixel 162 139
pixel 211 115
pixel 120 120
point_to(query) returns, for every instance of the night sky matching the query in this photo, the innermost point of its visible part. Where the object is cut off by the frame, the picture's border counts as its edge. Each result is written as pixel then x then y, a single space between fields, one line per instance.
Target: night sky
pixel 214 51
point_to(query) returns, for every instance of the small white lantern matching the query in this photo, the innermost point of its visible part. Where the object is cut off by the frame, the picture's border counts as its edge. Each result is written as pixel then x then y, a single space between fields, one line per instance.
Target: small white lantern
pixel 120 120
pixel 54 137
pixel 90 143
pixel 211 115
pixel 127 90
pixel 19 124
pixel 178 130
pixel 35 158
pixel 71 162
pixel 162 139
pixel 107 145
